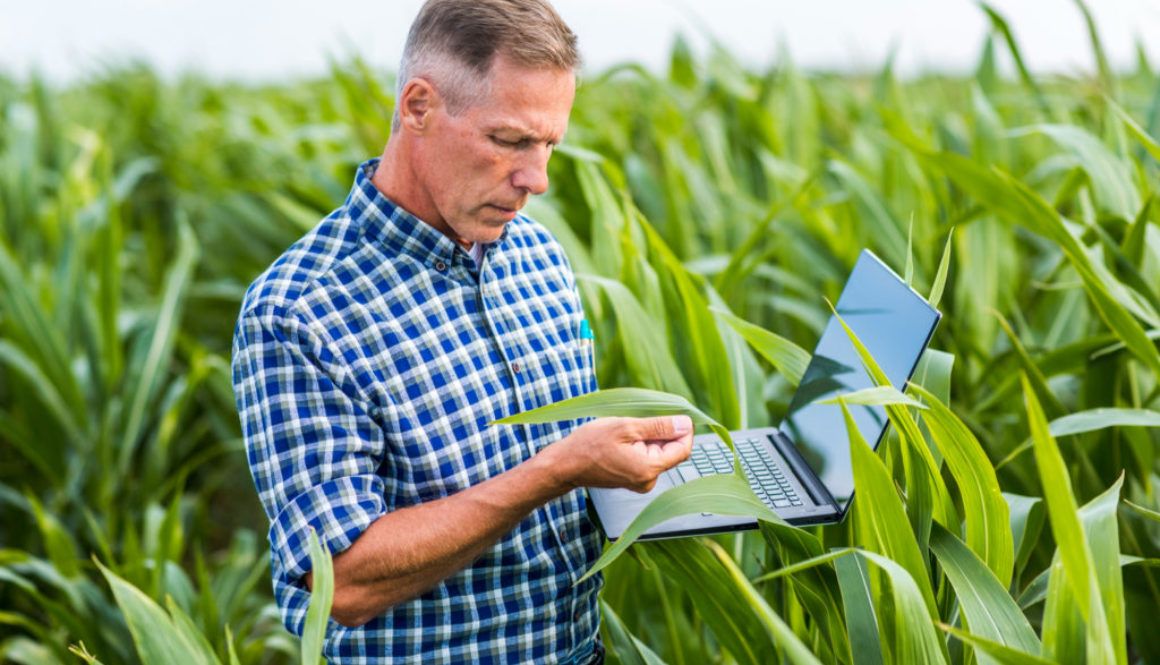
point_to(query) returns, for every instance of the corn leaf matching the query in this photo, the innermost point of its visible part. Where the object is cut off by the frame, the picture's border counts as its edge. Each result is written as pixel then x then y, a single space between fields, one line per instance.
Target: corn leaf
pixel 915 640
pixel 1111 180
pixel 988 608
pixel 927 491
pixel 998 652
pixel 986 513
pixel 858 603
pixel 1150 144
pixel 789 359
pixel 1075 557
pixel 722 494
pixel 157 638
pixel 876 396
pixel 321 599
pixel 651 361
pixel 716 596
pixel 881 523
pixel 940 278
pixel 1027 515
pixel 147 373
pixel 624 644
pixel 789 643
pixel 624 402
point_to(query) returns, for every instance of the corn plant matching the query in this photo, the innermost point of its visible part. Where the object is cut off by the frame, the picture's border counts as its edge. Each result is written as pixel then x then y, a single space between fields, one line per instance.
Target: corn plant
pixel 709 211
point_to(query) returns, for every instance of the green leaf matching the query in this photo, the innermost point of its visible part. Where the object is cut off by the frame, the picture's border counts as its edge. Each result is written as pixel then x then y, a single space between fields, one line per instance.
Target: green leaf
pixel 1146 512
pixel 1027 515
pixel 915 640
pixel 876 396
pixel 624 644
pixel 985 511
pixel 651 360
pixel 926 490
pixel 999 24
pixel 988 608
pixel 1101 529
pixel 789 359
pixel 789 643
pixel 1110 178
pixel 940 278
pixel 203 651
pixel 857 600
pixel 15 360
pixel 147 373
pixel 998 652
pixel 1103 418
pixel 1016 202
pixel 879 519
pixel 81 651
pixel 157 638
pixel 887 231
pixel 1074 553
pixel 622 402
pixel 723 494
pixel 704 346
pixel 1150 144
pixel 1091 420
pixel 321 599
pixel 231 650
pixel 689 565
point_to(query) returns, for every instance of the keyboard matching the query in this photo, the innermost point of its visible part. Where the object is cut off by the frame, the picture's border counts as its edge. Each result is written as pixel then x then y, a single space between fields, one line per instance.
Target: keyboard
pixel 765 476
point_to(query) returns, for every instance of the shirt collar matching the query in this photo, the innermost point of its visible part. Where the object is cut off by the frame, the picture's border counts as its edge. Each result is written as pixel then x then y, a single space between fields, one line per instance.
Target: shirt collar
pixel 397 229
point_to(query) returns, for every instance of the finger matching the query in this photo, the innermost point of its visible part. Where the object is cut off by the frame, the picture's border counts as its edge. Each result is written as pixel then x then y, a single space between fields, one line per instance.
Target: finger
pixel 674 452
pixel 664 428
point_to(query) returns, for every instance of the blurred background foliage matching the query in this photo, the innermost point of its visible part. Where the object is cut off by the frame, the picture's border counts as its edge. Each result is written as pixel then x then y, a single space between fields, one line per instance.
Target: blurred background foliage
pixel 134 212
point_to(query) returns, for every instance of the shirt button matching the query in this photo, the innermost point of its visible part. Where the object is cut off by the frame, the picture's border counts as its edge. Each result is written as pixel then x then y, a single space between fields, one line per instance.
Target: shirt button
pixel 576 616
pixel 440 266
pixel 563 535
pixel 516 368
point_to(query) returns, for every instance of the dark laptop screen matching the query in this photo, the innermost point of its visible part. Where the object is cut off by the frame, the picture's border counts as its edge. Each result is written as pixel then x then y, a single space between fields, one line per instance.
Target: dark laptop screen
pixel 895 324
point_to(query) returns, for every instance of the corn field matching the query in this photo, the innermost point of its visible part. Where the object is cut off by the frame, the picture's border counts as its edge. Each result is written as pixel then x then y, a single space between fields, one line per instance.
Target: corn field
pixel 709 211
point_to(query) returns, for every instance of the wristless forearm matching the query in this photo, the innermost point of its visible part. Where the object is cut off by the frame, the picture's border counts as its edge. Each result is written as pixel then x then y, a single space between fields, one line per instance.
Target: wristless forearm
pixel 408 551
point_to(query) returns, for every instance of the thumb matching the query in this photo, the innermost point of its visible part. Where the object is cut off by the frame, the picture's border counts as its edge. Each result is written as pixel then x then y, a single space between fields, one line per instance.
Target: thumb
pixel 665 428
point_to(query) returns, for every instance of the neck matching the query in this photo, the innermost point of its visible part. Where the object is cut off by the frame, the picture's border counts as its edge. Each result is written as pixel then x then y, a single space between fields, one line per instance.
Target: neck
pixel 396 179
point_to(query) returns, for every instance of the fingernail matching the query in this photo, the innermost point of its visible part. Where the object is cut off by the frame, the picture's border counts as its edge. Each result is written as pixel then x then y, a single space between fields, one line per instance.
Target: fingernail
pixel 682 424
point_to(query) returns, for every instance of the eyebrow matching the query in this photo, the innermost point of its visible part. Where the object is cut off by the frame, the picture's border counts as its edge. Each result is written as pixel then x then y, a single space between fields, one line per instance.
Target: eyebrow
pixel 524 132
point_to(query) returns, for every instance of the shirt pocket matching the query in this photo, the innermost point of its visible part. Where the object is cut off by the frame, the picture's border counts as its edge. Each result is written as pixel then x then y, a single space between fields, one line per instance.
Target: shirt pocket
pixel 559 373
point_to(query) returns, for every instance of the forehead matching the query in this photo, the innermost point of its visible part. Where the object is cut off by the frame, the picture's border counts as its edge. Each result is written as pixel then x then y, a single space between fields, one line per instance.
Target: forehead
pixel 533 100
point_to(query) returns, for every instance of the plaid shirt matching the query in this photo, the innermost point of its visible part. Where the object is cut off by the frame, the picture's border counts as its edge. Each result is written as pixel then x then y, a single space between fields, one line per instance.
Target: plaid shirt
pixel 368 360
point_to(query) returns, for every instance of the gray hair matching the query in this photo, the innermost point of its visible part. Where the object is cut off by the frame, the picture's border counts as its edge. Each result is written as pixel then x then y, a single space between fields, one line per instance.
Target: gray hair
pixel 452 44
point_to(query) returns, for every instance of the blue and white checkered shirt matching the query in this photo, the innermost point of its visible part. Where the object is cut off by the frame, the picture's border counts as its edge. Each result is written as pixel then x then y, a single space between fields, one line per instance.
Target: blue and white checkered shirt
pixel 368 360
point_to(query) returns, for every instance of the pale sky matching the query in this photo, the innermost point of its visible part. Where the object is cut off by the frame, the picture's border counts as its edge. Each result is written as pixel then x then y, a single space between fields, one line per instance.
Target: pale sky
pixel 268 39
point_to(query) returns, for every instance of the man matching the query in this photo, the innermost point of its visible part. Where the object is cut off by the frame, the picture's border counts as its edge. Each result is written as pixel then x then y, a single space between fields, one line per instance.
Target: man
pixel 370 358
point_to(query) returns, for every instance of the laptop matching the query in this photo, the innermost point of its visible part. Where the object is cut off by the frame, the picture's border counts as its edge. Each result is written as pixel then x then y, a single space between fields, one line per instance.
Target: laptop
pixel 801 468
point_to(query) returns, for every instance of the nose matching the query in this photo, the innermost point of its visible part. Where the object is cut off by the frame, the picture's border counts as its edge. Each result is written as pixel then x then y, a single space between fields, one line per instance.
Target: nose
pixel 531 172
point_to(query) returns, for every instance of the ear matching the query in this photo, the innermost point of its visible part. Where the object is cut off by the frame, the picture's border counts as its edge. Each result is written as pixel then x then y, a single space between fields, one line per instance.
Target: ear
pixel 419 98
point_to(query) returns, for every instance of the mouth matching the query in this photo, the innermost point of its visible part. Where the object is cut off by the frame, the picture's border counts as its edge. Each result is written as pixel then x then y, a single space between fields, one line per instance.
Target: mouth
pixel 505 211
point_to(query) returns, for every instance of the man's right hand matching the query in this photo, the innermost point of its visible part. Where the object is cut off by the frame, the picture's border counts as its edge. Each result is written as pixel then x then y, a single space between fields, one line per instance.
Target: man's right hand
pixel 621 452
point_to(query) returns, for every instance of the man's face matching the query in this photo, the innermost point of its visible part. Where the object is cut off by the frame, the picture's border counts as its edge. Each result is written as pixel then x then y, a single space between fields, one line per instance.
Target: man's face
pixel 478 168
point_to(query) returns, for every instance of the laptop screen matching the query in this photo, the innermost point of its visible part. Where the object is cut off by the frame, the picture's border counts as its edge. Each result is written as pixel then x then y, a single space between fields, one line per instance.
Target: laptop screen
pixel 895 324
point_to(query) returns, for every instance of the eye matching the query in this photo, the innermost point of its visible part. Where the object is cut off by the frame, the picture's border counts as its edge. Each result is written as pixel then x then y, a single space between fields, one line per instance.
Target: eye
pixel 504 143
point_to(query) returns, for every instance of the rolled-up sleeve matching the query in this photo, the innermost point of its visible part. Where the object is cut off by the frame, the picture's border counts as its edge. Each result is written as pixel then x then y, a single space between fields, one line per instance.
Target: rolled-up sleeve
pixel 313 448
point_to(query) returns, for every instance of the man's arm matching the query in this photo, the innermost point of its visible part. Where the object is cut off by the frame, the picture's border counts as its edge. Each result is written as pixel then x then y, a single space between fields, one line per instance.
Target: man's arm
pixel 408 551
